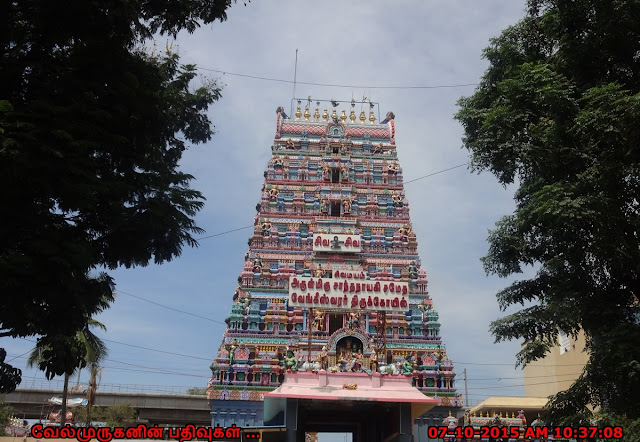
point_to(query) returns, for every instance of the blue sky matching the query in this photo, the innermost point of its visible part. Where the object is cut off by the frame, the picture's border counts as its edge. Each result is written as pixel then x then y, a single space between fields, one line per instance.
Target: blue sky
pixel 358 43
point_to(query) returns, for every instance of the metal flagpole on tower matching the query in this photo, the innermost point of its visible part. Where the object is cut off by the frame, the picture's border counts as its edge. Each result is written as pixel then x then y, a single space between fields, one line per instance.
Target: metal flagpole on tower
pixel 295 75
pixel 466 390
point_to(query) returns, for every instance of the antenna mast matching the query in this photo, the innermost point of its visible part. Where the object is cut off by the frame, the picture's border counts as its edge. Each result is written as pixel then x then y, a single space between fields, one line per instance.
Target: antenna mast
pixel 295 75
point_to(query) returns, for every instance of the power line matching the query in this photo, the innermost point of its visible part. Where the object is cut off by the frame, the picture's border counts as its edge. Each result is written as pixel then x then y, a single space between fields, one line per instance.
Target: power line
pixel 280 80
pixel 224 233
pixel 159 369
pixel 158 351
pixel 406 182
pixel 172 308
pixel 435 173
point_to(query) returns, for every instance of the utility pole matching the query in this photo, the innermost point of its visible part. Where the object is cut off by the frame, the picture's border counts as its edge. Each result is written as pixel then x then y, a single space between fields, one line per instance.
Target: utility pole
pixel 466 389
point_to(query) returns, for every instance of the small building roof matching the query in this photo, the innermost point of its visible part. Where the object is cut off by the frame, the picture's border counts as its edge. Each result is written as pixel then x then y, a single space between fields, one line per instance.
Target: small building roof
pixel 326 386
pixel 531 406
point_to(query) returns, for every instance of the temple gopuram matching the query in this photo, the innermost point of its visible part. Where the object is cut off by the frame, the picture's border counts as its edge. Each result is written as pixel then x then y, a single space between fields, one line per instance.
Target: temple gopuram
pixel 332 283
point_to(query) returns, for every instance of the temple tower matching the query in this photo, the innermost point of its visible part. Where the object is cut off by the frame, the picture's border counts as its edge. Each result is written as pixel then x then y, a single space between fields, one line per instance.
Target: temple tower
pixel 332 279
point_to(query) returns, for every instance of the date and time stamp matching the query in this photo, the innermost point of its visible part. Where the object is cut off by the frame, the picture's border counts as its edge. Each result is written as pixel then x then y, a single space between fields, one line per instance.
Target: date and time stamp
pixel 191 432
pixel 526 433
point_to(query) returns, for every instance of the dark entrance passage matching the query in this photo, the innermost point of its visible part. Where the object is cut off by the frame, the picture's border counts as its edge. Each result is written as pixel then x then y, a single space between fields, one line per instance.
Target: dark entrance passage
pixel 336 322
pixel 366 421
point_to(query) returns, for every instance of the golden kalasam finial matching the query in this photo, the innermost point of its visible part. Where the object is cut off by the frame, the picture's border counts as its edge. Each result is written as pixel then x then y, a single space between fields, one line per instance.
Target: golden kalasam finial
pixel 298 113
pixel 334 115
pixel 363 117
pixel 372 118
pixel 325 115
pixel 343 117
pixel 352 116
pixel 307 114
pixel 316 115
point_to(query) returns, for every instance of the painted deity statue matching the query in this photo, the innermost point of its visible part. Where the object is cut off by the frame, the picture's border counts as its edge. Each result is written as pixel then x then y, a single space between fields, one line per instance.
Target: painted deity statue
pixel 318 320
pixel 398 201
pixel 257 265
pixel 323 357
pixel 266 228
pixel 413 270
pixel 357 366
pixel 290 361
pixel 354 320
pixel 346 205
pixel 407 365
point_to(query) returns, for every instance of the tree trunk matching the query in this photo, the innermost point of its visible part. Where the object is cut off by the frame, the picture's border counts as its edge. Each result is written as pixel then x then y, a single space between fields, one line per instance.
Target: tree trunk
pixel 63 413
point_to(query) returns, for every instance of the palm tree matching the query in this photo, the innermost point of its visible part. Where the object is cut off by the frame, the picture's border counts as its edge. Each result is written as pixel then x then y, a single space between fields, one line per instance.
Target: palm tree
pixel 95 373
pixel 93 351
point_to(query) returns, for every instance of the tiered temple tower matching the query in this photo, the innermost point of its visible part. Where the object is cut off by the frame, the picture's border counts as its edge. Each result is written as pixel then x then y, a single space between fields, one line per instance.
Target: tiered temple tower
pixel 332 279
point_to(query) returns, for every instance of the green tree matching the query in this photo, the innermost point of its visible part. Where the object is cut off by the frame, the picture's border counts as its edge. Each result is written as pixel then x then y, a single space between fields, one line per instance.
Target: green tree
pixel 197 391
pixel 92 129
pixel 556 114
pixel 85 348
pixel 113 416
pixel 6 411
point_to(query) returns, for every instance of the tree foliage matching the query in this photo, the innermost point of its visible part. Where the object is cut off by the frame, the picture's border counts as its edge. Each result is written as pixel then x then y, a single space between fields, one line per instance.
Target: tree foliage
pixel 113 416
pixel 92 128
pixel 6 412
pixel 197 391
pixel 60 353
pixel 556 115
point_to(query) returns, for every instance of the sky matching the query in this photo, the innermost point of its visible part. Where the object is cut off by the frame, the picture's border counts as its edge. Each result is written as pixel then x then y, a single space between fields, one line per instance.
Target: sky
pixel 167 322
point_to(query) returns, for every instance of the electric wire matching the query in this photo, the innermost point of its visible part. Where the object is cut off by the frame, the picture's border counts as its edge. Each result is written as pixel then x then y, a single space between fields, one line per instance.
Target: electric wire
pixel 281 80
pixel 177 372
pixel 171 308
pixel 406 182
pixel 158 351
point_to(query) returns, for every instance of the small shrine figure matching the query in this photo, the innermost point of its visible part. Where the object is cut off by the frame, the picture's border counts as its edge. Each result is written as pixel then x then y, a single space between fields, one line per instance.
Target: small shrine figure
pixel 236 294
pixel 344 173
pixel 357 365
pixel 392 168
pixel 302 170
pixel 373 360
pixel 318 272
pixel 326 172
pixel 324 204
pixel 354 320
pixel 323 358
pixel 318 320
pixel 407 365
pixel 266 228
pixel 277 162
pixel 413 270
pixel 246 302
pixel 404 231
pixel 257 264
pixel 290 361
pixel 273 193
pixel 346 205
pixel 290 144
pixel 398 201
